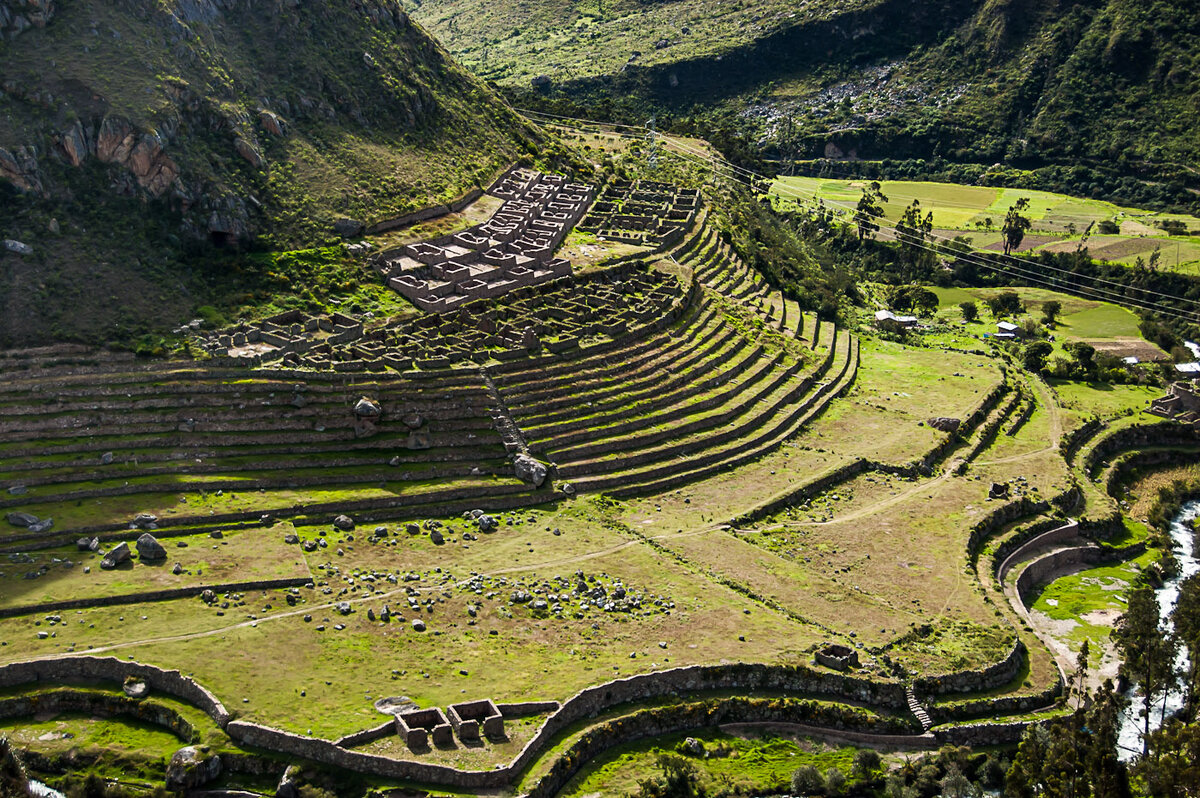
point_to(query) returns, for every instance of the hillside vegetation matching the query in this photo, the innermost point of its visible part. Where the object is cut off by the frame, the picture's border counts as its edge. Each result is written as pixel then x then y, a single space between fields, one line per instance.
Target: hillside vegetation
pixel 1104 85
pixel 132 132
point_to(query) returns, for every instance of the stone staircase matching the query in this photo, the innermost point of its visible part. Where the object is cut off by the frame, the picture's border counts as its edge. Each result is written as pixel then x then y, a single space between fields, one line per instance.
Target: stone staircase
pixel 918 711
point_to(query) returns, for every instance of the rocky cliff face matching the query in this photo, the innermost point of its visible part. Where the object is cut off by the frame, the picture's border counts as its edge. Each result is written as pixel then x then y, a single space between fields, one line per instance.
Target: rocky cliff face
pixel 184 98
pixel 134 133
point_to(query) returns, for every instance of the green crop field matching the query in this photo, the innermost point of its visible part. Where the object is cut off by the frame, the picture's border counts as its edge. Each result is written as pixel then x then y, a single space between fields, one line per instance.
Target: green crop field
pixel 1059 221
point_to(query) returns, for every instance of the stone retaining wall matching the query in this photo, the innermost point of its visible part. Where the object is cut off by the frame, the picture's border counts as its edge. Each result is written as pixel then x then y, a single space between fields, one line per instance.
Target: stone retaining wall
pixel 1164 433
pixel 995 675
pixel 102 704
pixel 151 595
pixel 1002 705
pixel 1041 571
pixel 111 669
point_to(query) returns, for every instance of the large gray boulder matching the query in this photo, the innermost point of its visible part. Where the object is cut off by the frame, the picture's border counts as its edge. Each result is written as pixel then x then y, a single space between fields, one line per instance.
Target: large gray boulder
pixel 529 470
pixel 344 523
pixel 944 424
pixel 192 766
pixel 119 554
pixel 18 518
pixel 42 526
pixel 149 549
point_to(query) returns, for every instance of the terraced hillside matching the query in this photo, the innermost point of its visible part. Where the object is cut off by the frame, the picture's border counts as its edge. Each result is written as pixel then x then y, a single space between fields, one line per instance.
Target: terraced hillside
pixel 689 381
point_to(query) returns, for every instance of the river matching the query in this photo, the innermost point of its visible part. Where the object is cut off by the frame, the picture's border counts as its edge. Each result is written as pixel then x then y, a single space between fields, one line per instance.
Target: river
pixel 1129 738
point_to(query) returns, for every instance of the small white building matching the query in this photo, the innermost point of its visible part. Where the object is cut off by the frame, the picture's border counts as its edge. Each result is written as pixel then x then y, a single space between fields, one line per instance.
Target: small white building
pixel 882 316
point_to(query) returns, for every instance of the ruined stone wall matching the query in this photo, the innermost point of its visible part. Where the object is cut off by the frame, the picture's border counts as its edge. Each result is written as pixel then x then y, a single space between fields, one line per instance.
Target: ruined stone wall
pixel 151 595
pixel 1137 436
pixel 978 735
pixel 992 707
pixel 104 705
pixel 995 675
pixel 111 669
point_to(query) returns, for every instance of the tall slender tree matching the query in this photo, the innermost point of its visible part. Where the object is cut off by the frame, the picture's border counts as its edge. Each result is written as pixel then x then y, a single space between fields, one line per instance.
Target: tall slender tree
pixel 1147 652
pixel 1015 225
pixel 870 208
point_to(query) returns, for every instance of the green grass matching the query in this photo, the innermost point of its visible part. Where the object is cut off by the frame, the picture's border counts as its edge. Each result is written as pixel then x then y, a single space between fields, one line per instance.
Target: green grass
pixel 960 209
pixel 753 762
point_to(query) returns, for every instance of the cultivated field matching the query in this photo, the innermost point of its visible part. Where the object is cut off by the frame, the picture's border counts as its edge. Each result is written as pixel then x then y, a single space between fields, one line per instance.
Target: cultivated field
pixel 1059 221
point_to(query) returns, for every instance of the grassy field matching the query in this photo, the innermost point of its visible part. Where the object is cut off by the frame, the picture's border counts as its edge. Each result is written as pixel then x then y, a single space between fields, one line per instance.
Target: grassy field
pixel 1109 328
pixel 744 760
pixel 1059 221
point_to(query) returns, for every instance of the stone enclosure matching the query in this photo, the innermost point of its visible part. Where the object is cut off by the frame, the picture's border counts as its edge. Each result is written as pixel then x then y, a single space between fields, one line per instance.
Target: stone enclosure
pixel 513 249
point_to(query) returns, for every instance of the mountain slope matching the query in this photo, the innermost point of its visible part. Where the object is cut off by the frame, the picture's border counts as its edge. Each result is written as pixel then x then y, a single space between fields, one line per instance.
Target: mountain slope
pixel 144 126
pixel 1110 83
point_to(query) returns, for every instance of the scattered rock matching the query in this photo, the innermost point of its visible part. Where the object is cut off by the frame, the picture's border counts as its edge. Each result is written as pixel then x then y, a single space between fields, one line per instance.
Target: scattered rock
pixel 271 123
pixel 208 597
pixel 344 523
pixel 18 490
pixel 177 569
pixel 247 151
pixel 944 424
pixel 367 408
pixel 88 544
pixel 412 529
pixel 144 521
pixel 567 488
pixel 149 549
pixel 413 421
pixel 343 607
pixel 106 458
pixel 418 625
pixel 436 537
pixel 119 554
pixel 693 747
pixel 292 539
pixel 216 534
pixel 395 461
pixel 529 470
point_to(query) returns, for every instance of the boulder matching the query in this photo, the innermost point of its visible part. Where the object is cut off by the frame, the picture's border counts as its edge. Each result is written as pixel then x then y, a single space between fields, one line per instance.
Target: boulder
pixel 367 408
pixel 418 625
pixel 18 518
pixel 944 424
pixel 529 470
pixel 343 607
pixel 177 569
pixel 414 420
pixel 191 767
pixel 208 597
pixel 437 538
pixel 42 526
pixel 567 488
pixel 249 153
pixel 86 543
pixel 149 549
pixel 344 523
pixel 135 688
pixel 17 247
pixel 348 228
pixel 291 540
pixel 119 554
pixel 106 458
pixel 18 490
pixel 271 123
pixel 144 521
pixel 412 529
pixel 998 490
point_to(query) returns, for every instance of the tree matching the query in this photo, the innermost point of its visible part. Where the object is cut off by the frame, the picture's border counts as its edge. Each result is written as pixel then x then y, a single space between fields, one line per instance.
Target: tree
pixel 870 208
pixel 1050 311
pixel 1035 354
pixel 866 762
pixel 970 311
pixel 911 231
pixel 955 784
pixel 1186 618
pixel 1005 303
pixel 1015 225
pixel 807 780
pixel 1175 771
pixel 913 297
pixel 1147 654
pixel 1085 355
